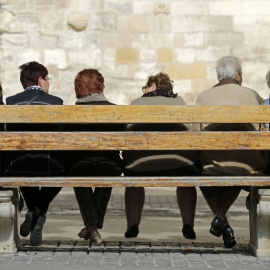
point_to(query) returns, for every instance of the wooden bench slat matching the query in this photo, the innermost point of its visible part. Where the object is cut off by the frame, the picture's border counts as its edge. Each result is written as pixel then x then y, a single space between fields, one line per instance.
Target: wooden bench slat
pixel 134 114
pixel 136 181
pixel 135 140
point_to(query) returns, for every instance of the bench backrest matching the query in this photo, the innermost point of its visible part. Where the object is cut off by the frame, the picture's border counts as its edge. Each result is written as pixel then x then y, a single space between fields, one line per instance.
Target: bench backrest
pixel 71 114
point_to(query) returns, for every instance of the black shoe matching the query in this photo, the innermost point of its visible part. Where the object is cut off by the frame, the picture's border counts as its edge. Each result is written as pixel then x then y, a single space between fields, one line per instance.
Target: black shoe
pixel 188 232
pixel 228 237
pixel 216 227
pixel 36 234
pixel 25 227
pixel 131 232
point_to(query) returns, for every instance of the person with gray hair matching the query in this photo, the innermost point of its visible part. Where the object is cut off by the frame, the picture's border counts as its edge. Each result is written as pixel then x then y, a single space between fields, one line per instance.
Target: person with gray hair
pixel 228 91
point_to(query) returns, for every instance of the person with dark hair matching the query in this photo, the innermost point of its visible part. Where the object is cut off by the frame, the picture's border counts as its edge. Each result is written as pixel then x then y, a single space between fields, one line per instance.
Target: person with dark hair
pixel 36 83
pixel 89 86
pixel 228 91
pixel 159 91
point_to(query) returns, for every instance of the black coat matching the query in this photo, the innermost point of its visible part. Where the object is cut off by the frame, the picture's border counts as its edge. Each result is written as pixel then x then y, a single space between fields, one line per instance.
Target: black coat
pixel 33 163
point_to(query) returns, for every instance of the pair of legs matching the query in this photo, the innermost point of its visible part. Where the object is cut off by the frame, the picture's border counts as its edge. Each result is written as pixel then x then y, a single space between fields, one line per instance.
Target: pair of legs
pixel 39 198
pixel 93 202
pixel 135 198
pixel 220 200
pixel 186 198
pixel 37 201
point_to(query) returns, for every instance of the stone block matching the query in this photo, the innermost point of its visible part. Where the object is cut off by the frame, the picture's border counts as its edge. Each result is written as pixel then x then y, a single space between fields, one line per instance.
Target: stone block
pixel 92 39
pixel 161 23
pixel 143 7
pixel 232 39
pixel 213 23
pixel 187 71
pixel 113 39
pixel 124 7
pixel 185 55
pixel 255 8
pixel 109 21
pixel 56 57
pixel 71 39
pixel 211 54
pixel 152 40
pixel 126 56
pixel 256 39
pixel 183 24
pixel 137 24
pixel 47 41
pixel 83 5
pixel 27 22
pixel 193 39
pixel 251 24
pixel 28 55
pixel 189 8
pixel 52 22
pixel 85 57
pixel 16 40
pixel 8 22
pixel 230 7
pixel 164 55
pixel 148 56
pixel 178 40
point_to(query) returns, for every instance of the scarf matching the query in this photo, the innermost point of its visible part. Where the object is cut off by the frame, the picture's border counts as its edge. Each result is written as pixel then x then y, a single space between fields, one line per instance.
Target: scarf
pixel 160 92
pixel 91 98
pixel 226 81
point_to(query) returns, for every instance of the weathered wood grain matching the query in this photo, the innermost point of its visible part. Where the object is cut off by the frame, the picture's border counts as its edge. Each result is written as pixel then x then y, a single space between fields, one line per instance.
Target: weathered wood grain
pixel 136 181
pixel 135 140
pixel 134 114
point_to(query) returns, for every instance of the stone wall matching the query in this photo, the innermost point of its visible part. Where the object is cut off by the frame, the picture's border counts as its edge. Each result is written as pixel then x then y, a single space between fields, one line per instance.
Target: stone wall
pixel 129 40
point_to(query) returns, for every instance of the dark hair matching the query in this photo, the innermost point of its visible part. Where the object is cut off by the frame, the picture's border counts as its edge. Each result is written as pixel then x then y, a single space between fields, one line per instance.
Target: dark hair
pixel 161 80
pixel 30 73
pixel 88 82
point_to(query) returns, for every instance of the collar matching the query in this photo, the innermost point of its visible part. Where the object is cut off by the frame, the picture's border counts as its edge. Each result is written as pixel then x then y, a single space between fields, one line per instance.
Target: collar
pixel 226 81
pixel 34 87
pixel 91 98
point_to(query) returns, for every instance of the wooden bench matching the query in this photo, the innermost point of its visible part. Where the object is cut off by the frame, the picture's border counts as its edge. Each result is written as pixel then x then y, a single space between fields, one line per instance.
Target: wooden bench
pixel 241 140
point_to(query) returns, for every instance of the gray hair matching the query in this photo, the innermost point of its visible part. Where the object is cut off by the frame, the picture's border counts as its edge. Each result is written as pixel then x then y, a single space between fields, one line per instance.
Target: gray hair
pixel 268 78
pixel 227 67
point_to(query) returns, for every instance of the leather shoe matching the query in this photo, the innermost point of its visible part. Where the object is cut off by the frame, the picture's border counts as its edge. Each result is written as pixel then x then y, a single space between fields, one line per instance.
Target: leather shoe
pixel 228 237
pixel 188 232
pixel 132 231
pixel 84 234
pixel 95 237
pixel 216 227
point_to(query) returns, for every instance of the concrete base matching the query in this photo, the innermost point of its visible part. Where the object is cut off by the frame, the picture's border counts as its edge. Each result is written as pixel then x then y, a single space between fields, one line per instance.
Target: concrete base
pixel 9 218
pixel 259 216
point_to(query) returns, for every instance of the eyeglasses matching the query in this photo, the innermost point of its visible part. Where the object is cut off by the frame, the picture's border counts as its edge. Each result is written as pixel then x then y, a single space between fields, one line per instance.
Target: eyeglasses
pixel 49 80
pixel 143 88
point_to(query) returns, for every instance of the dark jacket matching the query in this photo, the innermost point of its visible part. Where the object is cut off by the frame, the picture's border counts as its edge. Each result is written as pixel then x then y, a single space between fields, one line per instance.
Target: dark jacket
pixel 76 159
pixel 33 163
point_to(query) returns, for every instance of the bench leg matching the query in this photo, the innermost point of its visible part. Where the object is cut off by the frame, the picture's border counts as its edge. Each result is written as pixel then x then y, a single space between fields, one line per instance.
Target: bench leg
pixel 9 218
pixel 259 220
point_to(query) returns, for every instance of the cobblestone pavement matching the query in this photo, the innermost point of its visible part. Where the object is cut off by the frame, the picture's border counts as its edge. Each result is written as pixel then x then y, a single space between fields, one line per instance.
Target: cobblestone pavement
pixel 160 244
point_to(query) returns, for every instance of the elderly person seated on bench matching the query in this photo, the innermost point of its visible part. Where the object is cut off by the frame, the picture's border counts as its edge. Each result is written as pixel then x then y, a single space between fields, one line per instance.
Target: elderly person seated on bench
pixel 228 92
pixel 89 86
pixel 159 91
pixel 36 83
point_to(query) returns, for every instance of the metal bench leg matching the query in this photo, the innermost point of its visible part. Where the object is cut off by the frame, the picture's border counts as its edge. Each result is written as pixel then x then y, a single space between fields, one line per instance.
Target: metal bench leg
pixel 9 218
pixel 259 220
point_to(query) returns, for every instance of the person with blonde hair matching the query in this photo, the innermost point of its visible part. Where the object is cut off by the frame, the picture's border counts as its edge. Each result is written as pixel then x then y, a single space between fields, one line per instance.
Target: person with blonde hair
pixel 158 90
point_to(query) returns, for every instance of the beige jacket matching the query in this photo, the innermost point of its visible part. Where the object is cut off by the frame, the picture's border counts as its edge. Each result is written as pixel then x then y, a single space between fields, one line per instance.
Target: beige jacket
pixel 158 160
pixel 222 162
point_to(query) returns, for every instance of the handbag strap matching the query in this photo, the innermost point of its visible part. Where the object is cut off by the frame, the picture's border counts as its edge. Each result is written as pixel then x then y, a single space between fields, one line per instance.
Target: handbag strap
pixel 29 102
